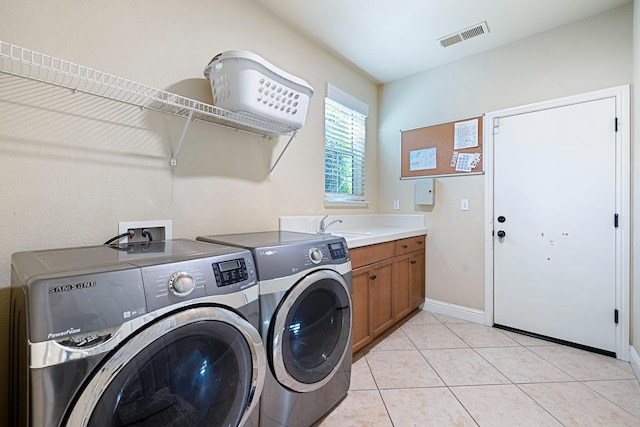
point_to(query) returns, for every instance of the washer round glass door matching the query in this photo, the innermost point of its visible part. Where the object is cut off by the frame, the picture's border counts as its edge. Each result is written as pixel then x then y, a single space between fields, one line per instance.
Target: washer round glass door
pixel 203 366
pixel 311 331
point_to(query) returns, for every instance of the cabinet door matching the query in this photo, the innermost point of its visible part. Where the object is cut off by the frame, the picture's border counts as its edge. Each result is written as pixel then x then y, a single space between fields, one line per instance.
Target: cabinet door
pixel 381 297
pixel 416 278
pixel 371 254
pixel 410 244
pixel 402 289
pixel 360 324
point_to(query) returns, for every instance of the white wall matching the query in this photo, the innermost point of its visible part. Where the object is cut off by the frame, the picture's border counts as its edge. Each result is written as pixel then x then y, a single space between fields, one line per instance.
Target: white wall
pixel 74 166
pixel 588 55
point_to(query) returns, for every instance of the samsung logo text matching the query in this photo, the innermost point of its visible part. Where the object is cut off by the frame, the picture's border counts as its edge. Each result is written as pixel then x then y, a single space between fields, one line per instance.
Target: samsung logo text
pixel 72 287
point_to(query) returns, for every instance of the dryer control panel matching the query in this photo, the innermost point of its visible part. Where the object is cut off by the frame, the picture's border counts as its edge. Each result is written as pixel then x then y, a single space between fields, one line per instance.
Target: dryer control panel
pixel 230 272
pixel 286 260
pixel 172 283
pixel 337 250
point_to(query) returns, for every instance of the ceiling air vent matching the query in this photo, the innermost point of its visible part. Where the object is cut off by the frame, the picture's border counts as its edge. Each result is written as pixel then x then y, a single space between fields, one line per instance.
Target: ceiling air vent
pixel 466 34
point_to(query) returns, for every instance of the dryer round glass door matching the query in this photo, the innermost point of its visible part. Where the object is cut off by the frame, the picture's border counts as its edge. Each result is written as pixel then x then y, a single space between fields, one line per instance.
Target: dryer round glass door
pixel 311 331
pixel 199 367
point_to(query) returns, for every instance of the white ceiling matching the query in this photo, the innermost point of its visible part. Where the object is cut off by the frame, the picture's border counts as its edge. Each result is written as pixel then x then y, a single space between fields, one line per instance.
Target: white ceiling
pixel 392 39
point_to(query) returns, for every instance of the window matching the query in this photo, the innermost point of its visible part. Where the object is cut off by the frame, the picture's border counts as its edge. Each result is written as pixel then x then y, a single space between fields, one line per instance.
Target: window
pixel 344 142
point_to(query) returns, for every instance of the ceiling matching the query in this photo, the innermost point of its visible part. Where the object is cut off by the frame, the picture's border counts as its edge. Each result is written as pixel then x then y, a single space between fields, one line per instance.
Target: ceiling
pixel 392 39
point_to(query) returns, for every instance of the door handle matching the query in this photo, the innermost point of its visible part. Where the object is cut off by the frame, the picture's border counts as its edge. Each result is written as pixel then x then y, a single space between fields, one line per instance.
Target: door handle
pixel 501 234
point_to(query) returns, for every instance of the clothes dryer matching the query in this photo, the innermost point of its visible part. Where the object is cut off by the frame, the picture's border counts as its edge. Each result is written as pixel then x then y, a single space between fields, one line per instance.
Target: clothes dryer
pixel 158 333
pixel 306 313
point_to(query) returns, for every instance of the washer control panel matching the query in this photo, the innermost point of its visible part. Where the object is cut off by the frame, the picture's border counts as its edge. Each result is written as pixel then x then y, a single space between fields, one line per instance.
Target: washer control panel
pixel 166 284
pixel 285 260
pixel 332 251
pixel 337 251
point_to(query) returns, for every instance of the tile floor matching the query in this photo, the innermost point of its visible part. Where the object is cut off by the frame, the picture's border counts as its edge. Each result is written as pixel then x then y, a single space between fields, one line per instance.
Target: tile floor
pixel 435 370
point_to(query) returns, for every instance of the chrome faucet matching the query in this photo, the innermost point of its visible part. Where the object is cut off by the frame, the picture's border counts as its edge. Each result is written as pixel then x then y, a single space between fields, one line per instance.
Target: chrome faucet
pixel 323 228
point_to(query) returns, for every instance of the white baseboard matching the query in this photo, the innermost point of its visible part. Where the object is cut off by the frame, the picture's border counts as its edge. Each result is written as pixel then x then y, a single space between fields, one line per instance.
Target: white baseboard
pixel 634 359
pixel 457 311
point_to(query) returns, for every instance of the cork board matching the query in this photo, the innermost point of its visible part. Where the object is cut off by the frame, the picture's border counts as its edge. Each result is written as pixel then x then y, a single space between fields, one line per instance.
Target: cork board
pixel 453 148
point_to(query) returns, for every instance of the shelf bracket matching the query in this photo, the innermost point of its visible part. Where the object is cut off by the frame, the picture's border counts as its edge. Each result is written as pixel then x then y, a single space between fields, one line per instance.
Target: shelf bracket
pixel 282 153
pixel 174 158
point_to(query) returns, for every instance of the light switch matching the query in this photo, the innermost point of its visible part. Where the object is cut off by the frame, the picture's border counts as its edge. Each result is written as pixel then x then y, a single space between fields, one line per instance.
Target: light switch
pixel 464 204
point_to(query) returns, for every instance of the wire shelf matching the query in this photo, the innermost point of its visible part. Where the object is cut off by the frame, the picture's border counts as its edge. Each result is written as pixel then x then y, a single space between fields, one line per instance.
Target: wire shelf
pixel 30 64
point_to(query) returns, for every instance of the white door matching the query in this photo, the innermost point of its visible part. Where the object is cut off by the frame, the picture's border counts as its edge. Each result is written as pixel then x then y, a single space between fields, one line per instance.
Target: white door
pixel 555 201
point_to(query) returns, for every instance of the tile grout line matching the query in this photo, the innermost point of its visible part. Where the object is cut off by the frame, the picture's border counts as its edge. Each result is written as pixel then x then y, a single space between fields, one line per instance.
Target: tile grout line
pixel 519 386
pixel 576 380
pixel 434 370
pixel 539 404
pixel 440 376
pixel 606 398
pixel 511 382
pixel 474 348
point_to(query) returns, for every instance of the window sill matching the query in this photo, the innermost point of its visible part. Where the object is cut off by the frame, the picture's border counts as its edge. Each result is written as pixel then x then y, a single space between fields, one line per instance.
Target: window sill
pixel 328 203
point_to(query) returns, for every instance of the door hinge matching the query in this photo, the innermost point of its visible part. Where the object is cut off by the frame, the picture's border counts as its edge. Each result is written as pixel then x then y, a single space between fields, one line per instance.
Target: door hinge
pixel 616 124
pixel 615 220
pixel 615 316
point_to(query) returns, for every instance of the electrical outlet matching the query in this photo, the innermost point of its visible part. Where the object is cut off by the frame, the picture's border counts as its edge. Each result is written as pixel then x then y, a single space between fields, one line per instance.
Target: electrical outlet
pixel 396 204
pixel 158 230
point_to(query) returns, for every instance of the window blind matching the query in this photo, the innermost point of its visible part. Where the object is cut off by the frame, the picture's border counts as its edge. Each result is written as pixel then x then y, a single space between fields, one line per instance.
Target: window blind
pixel 345 135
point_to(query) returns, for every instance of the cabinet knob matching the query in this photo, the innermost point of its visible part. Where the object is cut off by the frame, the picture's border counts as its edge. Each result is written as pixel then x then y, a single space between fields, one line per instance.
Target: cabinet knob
pixel 420 242
pixel 374 277
pixel 405 246
pixel 413 261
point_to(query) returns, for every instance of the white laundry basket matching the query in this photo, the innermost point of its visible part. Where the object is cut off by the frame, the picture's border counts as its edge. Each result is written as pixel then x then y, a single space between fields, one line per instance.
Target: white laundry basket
pixel 243 82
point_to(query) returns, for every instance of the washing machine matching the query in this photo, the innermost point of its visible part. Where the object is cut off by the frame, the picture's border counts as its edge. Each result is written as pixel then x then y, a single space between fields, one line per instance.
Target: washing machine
pixel 160 333
pixel 306 313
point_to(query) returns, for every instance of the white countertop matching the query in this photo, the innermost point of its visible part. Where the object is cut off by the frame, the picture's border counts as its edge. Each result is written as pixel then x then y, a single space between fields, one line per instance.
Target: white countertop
pixel 360 230
pixel 357 238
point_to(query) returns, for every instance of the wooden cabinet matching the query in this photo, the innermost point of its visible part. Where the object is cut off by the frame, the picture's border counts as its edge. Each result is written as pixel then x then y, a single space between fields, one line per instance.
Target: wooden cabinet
pixel 411 244
pixel 372 301
pixel 410 285
pixel 402 300
pixel 388 283
pixel 417 278
pixel 360 324
pixel 381 276
pixel 409 289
